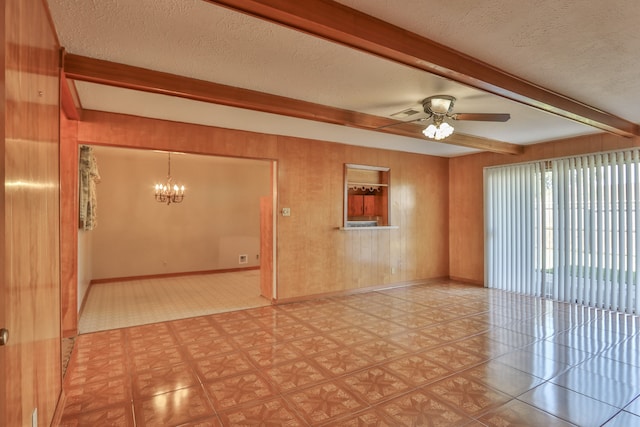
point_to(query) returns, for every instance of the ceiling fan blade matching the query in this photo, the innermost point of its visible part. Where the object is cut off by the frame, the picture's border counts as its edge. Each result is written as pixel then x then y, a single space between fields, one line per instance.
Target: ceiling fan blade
pixel 398 123
pixel 482 117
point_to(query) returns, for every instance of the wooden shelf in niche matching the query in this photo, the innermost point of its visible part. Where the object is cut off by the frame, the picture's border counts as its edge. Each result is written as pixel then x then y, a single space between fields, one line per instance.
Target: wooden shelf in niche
pixel 366 196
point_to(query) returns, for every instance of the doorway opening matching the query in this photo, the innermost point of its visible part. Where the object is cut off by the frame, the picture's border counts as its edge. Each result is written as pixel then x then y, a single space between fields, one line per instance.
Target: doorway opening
pixel 146 262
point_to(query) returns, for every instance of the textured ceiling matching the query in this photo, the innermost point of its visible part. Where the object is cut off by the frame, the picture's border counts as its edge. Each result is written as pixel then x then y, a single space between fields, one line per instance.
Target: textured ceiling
pixel 584 49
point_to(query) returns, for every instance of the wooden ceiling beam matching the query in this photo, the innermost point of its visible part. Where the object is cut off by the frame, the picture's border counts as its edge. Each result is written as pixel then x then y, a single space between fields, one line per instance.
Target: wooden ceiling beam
pixel 69 100
pixel 333 21
pixel 126 76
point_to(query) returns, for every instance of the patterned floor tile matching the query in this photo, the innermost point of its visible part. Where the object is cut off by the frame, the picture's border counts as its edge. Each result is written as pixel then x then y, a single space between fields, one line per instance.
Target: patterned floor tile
pixel 190 324
pixel 120 415
pixel 519 414
pixel 351 335
pixel 470 324
pixel 96 370
pixel 243 389
pixel 211 347
pixel 452 357
pixel 417 370
pixel 342 361
pixel 162 380
pixel 414 340
pixel 367 418
pixel 196 333
pixel 147 332
pixel 219 319
pixel 253 339
pixel 273 319
pixel 213 421
pixel 441 354
pixel 384 328
pixel 330 323
pixel 375 384
pixel 483 346
pixel 275 412
pixel 97 395
pixel 151 342
pixel 324 402
pixel 155 359
pixel 569 405
pixel 240 326
pixel 293 375
pixel 414 321
pixel 99 346
pixel 292 331
pixel 173 408
pixel 313 345
pixel 274 354
pixel 214 368
pixel 468 396
pixel 420 409
pixel 503 378
pixel 445 333
pixel 380 350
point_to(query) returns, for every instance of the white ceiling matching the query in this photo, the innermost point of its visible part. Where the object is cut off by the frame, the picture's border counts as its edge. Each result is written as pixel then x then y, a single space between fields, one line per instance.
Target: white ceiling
pixel 584 49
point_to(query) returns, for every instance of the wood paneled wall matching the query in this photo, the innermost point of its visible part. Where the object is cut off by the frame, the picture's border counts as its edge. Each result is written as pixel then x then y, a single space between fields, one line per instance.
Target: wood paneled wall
pixel 313 255
pixel 31 368
pixel 69 225
pixel 466 203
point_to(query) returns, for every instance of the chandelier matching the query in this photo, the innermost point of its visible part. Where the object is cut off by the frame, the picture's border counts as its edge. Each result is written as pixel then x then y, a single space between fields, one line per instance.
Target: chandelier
pixel 169 192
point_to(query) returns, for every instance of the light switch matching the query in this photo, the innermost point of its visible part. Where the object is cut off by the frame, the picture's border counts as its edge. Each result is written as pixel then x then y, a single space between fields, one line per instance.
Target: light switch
pixel 286 211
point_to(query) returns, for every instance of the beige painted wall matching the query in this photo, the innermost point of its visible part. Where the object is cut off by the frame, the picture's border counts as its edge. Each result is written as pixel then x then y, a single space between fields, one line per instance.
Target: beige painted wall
pixel 84 264
pixel 218 220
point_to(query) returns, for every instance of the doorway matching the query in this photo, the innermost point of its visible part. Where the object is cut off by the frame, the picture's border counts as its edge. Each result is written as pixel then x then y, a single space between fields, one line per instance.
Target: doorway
pixel 211 240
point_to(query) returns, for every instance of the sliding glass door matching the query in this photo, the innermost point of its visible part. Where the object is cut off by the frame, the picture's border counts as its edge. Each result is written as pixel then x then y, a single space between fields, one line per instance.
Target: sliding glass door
pixel 566 229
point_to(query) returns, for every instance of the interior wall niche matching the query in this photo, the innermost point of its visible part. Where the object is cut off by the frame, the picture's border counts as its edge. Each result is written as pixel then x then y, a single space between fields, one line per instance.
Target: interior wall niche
pixel 366 196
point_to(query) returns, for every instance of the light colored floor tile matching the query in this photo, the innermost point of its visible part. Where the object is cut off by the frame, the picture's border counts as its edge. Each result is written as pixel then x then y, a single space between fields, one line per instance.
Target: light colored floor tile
pixel 138 302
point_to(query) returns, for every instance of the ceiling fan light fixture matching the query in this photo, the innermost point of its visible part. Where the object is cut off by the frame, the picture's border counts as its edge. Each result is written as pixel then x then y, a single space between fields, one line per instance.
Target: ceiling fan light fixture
pixel 439 131
pixel 439 104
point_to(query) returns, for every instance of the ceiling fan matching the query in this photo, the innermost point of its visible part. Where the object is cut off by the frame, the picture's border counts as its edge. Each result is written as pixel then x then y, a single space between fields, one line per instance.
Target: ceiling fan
pixel 440 107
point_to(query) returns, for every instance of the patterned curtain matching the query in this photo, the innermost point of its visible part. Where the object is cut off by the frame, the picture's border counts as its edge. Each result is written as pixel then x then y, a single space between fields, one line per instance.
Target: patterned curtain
pixel 88 178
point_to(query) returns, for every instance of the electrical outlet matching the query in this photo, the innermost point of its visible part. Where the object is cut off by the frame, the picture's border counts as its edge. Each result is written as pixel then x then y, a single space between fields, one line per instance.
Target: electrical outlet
pixel 243 259
pixel 286 211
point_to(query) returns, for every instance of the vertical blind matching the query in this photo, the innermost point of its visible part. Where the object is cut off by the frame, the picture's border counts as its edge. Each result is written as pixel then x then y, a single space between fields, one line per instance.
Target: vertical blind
pixel 514 228
pixel 566 229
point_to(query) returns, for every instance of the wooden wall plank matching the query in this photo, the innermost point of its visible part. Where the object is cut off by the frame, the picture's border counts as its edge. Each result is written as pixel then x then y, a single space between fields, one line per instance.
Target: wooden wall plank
pixel 69 225
pixel 313 255
pixel 30 207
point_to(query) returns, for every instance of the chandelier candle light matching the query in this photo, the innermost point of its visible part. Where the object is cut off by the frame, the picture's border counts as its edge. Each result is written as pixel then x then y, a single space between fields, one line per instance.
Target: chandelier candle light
pixel 169 192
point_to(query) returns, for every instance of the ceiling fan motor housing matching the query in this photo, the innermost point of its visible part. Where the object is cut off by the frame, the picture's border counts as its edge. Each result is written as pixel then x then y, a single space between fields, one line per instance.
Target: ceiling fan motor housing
pixel 439 105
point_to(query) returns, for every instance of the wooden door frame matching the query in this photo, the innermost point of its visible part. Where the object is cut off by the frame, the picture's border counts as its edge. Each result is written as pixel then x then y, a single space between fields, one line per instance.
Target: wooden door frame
pixel 268 231
pixel 70 250
pixel 3 112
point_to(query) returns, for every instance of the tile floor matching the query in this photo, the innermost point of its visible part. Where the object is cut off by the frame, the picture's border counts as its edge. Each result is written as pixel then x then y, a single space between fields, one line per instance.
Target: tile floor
pixel 432 355
pixel 139 302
